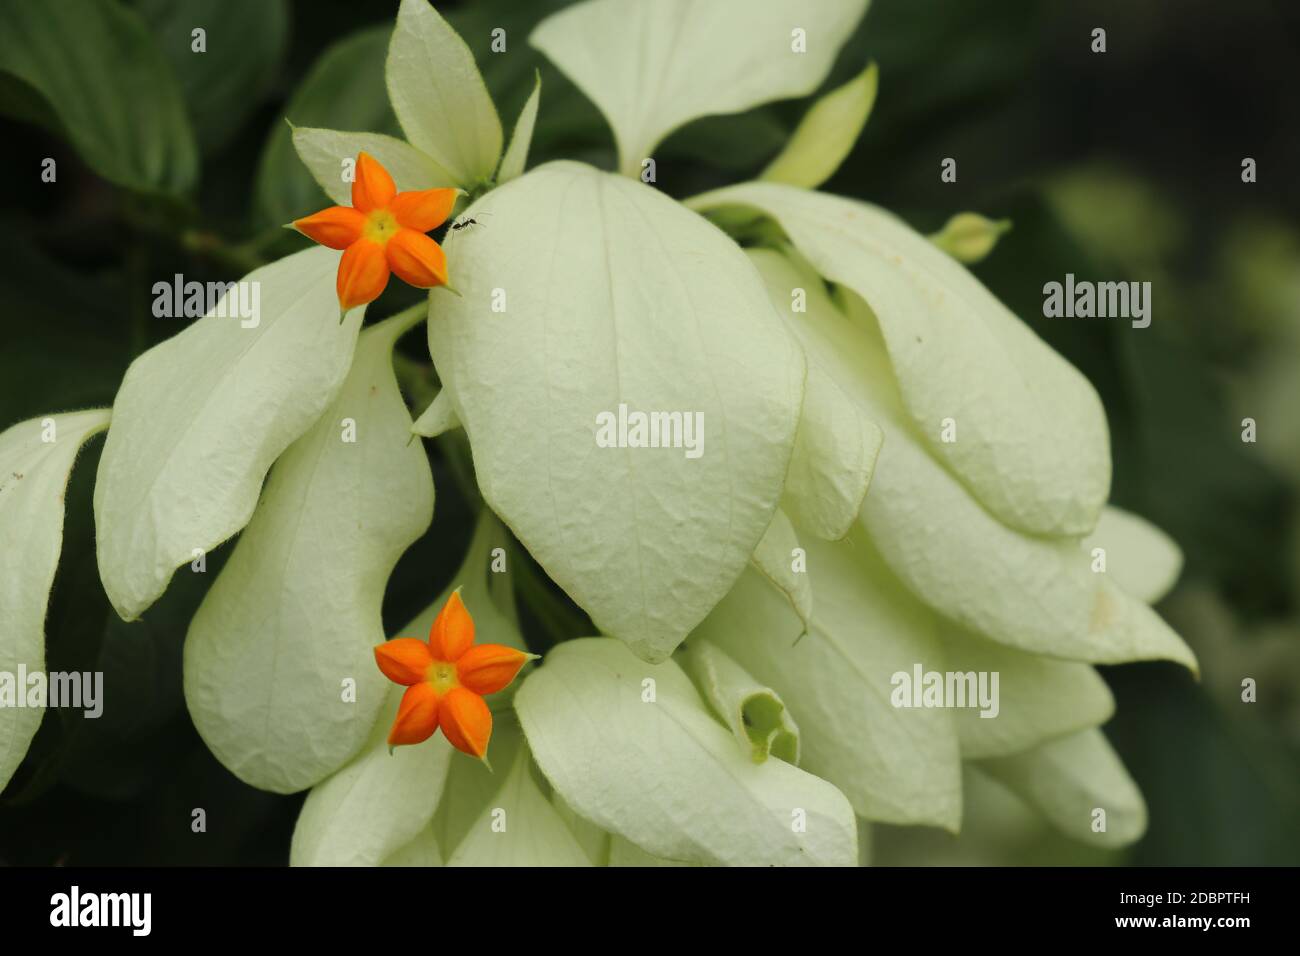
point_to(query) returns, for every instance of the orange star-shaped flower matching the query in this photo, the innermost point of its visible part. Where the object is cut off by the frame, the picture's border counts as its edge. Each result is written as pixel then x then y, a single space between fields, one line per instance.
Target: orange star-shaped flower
pixel 382 231
pixel 446 680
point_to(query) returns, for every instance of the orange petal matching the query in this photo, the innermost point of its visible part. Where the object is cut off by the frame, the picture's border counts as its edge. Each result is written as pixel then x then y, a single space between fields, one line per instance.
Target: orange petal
pixel 453 630
pixel 417 716
pixel 417 259
pixel 337 227
pixel 423 209
pixel 372 188
pixel 465 719
pixel 488 668
pixel 363 273
pixel 404 660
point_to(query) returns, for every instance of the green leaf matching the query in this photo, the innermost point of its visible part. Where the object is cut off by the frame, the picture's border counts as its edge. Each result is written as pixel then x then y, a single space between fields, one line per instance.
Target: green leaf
pixel 200 418
pixel 896 765
pixel 373 808
pixel 1037 698
pixel 775 557
pixel 1142 559
pixel 641 303
pixel 439 96
pixel 71 353
pixel 36 458
pixel 295 614
pixel 1031 436
pixel 699 799
pixel 323 152
pixel 652 67
pixel 1069 779
pixel 519 827
pixel 89 71
pixel 245 43
pixel 756 714
pixel 826 134
pixel 516 157
pixel 837 443
pixel 343 90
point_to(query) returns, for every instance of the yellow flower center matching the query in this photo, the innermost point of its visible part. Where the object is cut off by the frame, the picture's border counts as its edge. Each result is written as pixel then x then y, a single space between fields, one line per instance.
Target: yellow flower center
pixel 442 675
pixel 380 226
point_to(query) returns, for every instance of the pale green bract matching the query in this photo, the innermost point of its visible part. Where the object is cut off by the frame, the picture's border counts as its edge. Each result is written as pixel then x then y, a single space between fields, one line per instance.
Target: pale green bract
pixel 1030 434
pixel 329 155
pixel 968 237
pixel 653 67
pixel 375 806
pixel 693 796
pixel 519 827
pixel 1035 593
pixel 200 418
pixel 894 765
pixel 1039 698
pixel 439 417
pixel 837 443
pixel 516 155
pixel 439 96
pixel 295 614
pixel 756 715
pixel 1069 780
pixel 1142 559
pixel 594 841
pixel 776 556
pixel 36 458
pixel 423 850
pixel 826 134
pixel 593 291
pixel 820 537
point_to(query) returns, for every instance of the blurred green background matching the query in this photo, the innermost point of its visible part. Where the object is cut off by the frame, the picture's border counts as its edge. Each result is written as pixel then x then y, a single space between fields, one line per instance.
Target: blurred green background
pixel 1123 165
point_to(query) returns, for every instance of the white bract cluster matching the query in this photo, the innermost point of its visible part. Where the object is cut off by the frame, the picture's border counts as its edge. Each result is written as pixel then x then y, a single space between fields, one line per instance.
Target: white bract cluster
pixel 899 474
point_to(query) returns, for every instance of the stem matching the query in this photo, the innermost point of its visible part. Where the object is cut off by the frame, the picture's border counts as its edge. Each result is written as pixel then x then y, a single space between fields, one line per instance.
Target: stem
pixel 242 259
pixel 408 318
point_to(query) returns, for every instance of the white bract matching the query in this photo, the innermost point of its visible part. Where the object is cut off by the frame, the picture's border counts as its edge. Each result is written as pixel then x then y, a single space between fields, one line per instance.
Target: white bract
pixel 653 67
pixel 836 681
pixel 36 458
pixel 886 472
pixel 614 295
pixel 292 621
pixel 825 135
pixel 439 96
pixel 1031 436
pixel 200 418
pixel 664 773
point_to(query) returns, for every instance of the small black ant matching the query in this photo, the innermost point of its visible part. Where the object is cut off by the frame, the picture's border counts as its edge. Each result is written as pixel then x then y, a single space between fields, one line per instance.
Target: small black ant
pixel 465 223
